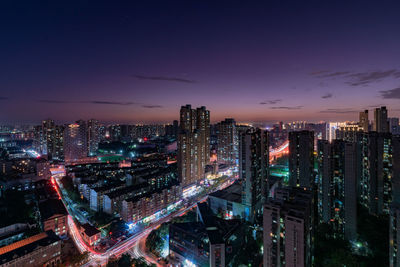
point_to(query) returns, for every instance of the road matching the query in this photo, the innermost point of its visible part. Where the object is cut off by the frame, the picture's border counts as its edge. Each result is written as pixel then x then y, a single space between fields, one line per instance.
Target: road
pixel 128 245
pixel 279 151
pixel 139 251
pixel 134 244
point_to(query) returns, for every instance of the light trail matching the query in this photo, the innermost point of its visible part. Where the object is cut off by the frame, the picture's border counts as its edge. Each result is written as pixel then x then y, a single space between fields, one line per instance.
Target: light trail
pixel 280 151
pixel 101 258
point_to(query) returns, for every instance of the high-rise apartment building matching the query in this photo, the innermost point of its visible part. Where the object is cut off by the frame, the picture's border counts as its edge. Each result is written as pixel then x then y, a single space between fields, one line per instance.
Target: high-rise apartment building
pixel 253 168
pixel 348 131
pixel 364 121
pixel 381 124
pixel 172 130
pixel 52 138
pixel 375 171
pixel 193 144
pixel 93 136
pixel 337 184
pixel 75 141
pixel 394 126
pixel 301 159
pixel 227 142
pixel 288 228
pixel 394 219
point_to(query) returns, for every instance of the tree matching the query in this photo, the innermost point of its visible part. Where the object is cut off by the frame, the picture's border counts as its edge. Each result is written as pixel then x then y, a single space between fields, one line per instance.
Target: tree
pixel 78 258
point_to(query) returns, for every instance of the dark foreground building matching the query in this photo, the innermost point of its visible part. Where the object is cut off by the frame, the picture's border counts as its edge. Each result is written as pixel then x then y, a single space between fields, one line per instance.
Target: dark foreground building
pixel 210 241
pixel 43 249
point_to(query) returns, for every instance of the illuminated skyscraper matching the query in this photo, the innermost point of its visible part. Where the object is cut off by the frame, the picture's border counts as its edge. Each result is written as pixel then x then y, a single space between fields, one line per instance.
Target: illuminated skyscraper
pixel 381 124
pixel 75 141
pixel 375 171
pixel 253 168
pixel 93 136
pixel 193 144
pixel 337 183
pixel 394 220
pixel 301 159
pixel 227 142
pixel 52 135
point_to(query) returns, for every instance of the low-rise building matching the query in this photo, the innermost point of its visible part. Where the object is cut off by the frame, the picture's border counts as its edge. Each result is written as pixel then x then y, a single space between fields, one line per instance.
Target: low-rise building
pixel 54 216
pixel 228 203
pixel 97 195
pixel 90 234
pixel 112 202
pixel 43 249
pixel 149 204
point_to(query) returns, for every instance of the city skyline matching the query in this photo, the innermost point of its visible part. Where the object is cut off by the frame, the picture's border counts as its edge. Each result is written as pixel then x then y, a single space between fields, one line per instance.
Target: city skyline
pixel 200 133
pixel 262 62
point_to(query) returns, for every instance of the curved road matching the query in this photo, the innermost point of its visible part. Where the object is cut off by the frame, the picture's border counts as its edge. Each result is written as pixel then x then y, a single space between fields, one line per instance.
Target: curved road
pixel 130 244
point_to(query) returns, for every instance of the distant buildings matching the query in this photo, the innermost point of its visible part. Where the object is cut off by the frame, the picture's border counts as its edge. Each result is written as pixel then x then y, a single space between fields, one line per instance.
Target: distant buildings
pixel 337 188
pixel 381 124
pixel 193 144
pixel 347 131
pixel 253 168
pixel 364 121
pixel 301 159
pixel 227 137
pixel 93 136
pixel 394 126
pixel 52 140
pixel 75 141
pixel 288 228
pixel 172 130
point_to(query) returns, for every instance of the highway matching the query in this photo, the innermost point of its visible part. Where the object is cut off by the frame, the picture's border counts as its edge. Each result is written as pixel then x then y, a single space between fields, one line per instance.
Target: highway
pixel 279 151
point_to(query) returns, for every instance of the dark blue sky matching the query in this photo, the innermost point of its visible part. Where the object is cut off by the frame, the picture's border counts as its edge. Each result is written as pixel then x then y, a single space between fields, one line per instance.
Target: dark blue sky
pixel 139 62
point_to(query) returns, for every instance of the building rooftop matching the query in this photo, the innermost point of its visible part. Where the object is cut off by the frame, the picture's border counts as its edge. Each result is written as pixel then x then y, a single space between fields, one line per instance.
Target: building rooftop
pixel 51 207
pixel 232 193
pixel 127 190
pixel 90 230
pixel 25 246
pixel 218 230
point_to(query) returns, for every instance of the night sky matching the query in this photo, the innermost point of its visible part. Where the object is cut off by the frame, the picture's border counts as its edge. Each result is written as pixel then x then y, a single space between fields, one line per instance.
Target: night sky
pixel 139 62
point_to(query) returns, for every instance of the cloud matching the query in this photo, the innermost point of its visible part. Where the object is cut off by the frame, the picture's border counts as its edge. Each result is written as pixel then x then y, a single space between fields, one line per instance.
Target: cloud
pixel 50 101
pixel 339 110
pixel 288 108
pixel 271 102
pixel 318 72
pixel 163 78
pixel 360 78
pixel 391 94
pixel 111 103
pixel 375 106
pixel 334 74
pixel 95 102
pixel 3 98
pixel 365 78
pixel 328 95
pixel 152 106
